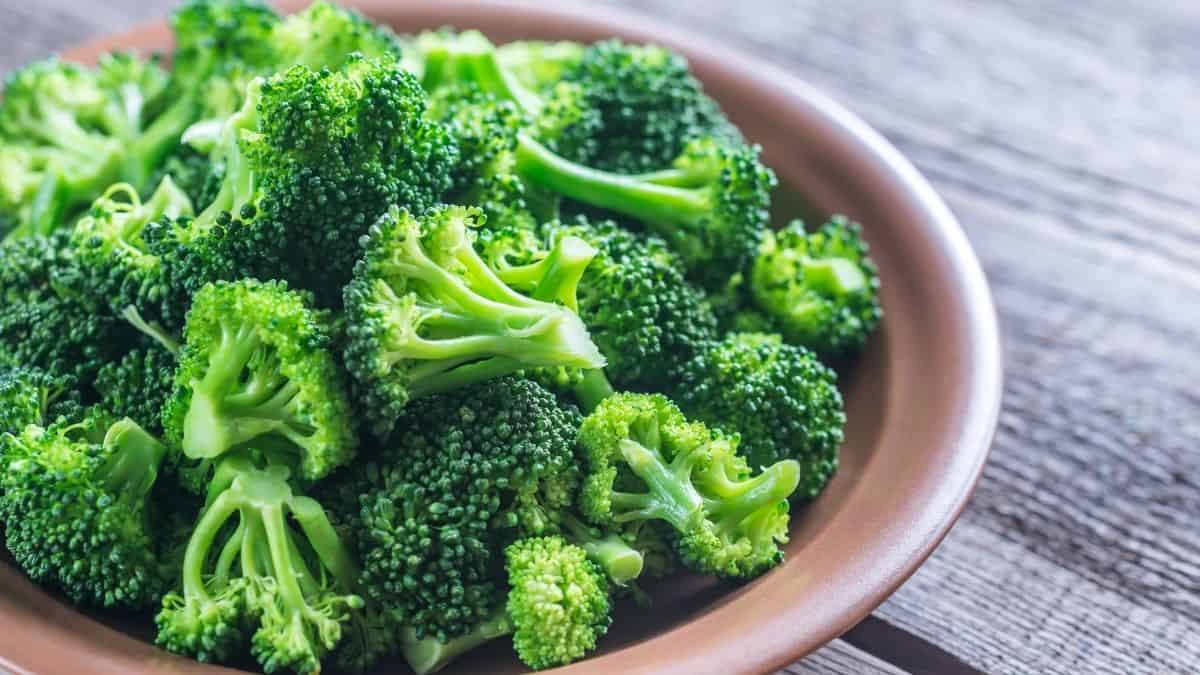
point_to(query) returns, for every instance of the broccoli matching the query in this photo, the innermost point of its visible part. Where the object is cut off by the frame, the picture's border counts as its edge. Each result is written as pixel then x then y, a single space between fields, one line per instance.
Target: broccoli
pixel 779 397
pixel 710 206
pixel 818 289
pixel 261 558
pixel 645 461
pixel 115 263
pixel 193 172
pixel 648 103
pixel 256 369
pixel 44 323
pixel 311 159
pixel 323 35
pixel 76 512
pixel 465 473
pixel 31 396
pixel 138 385
pixel 556 610
pixel 426 314
pixel 67 132
pixel 539 65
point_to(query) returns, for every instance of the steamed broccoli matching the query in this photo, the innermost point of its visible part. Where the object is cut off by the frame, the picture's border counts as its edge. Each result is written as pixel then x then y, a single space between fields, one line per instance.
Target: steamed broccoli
pixel 426 314
pixel 256 369
pixel 819 289
pixel 31 396
pixel 138 385
pixel 44 322
pixel 710 206
pixel 645 461
pixel 67 132
pixel 264 568
pixel 557 608
pixel 539 65
pixel 76 512
pixel 648 103
pixel 779 397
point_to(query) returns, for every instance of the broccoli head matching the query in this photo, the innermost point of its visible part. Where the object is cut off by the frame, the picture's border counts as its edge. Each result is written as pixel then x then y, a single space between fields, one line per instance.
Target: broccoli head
pixel 256 369
pixel 264 568
pixel 557 608
pixel 44 322
pixel 426 314
pixel 710 205
pixel 76 509
pixel 645 461
pixel 779 397
pixel 648 103
pixel 818 289
pixel 31 396
pixel 138 385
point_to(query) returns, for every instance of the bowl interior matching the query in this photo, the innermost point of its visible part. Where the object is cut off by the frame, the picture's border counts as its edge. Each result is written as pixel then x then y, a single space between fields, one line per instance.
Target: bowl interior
pixel 921 401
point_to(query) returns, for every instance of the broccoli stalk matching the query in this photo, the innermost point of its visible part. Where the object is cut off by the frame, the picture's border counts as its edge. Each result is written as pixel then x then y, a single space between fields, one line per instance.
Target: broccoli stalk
pixel 557 608
pixel 711 206
pixel 428 315
pixel 246 564
pixel 728 522
pixel 620 561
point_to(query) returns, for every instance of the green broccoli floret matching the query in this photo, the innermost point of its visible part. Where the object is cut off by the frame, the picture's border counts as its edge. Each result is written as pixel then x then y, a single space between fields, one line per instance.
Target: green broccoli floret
pixel 557 608
pixel 31 396
pixel 67 132
pixel 426 314
pixel 818 289
pixel 310 161
pixel 115 263
pixel 76 513
pixel 263 566
pixel 465 473
pixel 645 461
pixel 193 172
pixel 256 368
pixel 138 385
pixel 711 206
pixel 779 397
pixel 44 323
pixel 648 103
pixel 323 35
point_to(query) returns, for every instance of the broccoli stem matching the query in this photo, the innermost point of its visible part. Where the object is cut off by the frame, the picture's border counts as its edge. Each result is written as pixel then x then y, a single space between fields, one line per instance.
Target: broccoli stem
pixel 200 543
pixel 455 376
pixel 735 500
pixel 132 466
pixel 151 330
pixel 593 388
pixel 620 561
pixel 671 495
pixel 427 655
pixel 662 207
pixel 334 555
pixel 147 151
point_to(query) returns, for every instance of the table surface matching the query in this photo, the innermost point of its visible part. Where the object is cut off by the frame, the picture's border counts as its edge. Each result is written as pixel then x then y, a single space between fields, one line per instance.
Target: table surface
pixel 1065 137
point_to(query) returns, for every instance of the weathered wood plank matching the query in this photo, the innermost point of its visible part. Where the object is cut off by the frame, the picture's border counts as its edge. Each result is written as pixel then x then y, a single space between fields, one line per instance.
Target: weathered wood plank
pixel 840 658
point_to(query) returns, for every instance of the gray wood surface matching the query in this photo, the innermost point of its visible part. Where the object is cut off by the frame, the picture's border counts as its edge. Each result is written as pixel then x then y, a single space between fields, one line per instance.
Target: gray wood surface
pixel 1064 135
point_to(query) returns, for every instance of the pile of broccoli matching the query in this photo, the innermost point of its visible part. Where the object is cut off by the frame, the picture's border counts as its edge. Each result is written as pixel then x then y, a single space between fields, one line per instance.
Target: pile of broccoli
pixel 328 344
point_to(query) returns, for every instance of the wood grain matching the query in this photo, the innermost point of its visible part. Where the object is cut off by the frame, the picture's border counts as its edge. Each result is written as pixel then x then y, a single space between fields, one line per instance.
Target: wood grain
pixel 1063 134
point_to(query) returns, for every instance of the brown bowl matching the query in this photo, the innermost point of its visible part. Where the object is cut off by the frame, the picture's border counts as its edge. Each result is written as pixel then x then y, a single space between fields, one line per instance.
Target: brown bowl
pixel 922 402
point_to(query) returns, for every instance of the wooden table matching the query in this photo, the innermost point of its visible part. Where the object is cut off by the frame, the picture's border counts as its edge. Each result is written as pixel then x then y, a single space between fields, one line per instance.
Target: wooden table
pixel 1066 136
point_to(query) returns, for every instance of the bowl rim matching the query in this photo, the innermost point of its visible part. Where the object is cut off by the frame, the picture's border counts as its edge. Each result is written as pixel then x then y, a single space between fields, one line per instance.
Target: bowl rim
pixel 28 629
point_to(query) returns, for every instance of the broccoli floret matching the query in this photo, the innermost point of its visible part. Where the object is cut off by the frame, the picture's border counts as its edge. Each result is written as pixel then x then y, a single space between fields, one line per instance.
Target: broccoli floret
pixel 193 172
pixel 67 132
pixel 256 368
pixel 426 314
pixel 818 289
pixel 75 508
pixel 44 323
pixel 557 608
pixel 645 461
pixel 779 397
pixel 115 263
pixel 263 566
pixel 323 35
pixel 711 206
pixel 31 396
pixel 649 106
pixel 310 161
pixel 138 385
